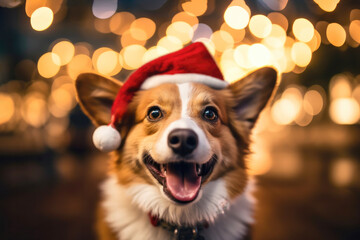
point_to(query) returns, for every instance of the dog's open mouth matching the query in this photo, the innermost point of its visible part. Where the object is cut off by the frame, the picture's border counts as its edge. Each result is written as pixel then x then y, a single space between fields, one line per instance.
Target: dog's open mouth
pixel 181 180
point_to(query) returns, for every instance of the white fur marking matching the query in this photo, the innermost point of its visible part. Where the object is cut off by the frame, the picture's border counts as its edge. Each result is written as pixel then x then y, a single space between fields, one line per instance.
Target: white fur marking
pixel 126 211
pixel 203 152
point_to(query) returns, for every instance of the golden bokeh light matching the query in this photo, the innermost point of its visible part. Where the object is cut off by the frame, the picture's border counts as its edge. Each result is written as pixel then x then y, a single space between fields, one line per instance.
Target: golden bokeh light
pixel 107 63
pixel 259 55
pixel 354 30
pixel 63 99
pixel 34 109
pixel 180 30
pixel 154 52
pixel 120 22
pixel 7 106
pixel 301 54
pixel 229 68
pixel 313 102
pixel 132 56
pixel 195 7
pixel 79 64
pixel 241 56
pixel 222 40
pixel 236 17
pixel 315 42
pixel 279 19
pixel 48 65
pixel 288 107
pixel 32 5
pixel 142 28
pixel 344 111
pixel 303 29
pixel 65 50
pixel 170 43
pixel 327 5
pixel 127 38
pixel 340 87
pixel 237 34
pixel 276 38
pixel 185 17
pixel 260 26
pixel 41 18
pixel 336 34
pixel 343 172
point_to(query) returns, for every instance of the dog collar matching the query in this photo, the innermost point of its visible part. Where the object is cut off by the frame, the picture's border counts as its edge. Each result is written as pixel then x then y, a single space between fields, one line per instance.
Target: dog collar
pixel 179 232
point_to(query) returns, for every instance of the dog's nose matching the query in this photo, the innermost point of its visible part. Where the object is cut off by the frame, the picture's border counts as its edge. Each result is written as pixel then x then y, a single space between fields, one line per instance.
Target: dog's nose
pixel 182 141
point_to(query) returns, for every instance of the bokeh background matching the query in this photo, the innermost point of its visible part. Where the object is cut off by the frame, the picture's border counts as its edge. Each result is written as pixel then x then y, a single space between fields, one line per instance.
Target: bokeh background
pixel 306 144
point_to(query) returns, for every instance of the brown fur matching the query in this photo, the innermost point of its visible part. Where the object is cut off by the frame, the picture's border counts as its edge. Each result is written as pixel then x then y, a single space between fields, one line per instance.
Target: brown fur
pixel 238 106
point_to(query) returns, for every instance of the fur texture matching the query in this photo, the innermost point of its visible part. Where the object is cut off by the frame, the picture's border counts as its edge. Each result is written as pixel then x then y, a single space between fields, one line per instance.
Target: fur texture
pixel 221 121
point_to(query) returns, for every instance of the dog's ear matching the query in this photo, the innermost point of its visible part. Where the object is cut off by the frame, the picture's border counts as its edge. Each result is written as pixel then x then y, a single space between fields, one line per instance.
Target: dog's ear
pixel 252 93
pixel 96 94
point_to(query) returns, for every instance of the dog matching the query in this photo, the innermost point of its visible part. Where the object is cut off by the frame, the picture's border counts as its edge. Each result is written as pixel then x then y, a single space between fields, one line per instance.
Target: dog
pixel 180 171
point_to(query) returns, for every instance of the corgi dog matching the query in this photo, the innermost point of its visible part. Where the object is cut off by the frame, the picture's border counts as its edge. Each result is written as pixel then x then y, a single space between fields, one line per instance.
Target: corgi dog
pixel 180 171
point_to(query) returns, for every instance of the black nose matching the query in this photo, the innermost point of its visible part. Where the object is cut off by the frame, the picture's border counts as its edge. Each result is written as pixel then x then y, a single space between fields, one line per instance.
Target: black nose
pixel 182 141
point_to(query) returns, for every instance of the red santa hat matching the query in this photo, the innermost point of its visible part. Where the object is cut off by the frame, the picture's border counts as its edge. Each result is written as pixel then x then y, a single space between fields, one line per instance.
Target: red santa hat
pixel 191 64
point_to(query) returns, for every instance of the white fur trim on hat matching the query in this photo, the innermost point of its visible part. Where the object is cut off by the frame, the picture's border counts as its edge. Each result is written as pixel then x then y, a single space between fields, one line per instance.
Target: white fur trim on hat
pixel 106 138
pixel 157 80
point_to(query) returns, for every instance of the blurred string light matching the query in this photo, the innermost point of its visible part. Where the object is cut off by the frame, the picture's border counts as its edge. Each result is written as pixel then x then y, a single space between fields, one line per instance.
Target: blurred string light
pixel 49 65
pixel 327 5
pixel 336 34
pixel 195 7
pixel 303 29
pixel 41 18
pixel 260 26
pixel 237 15
pixel 7 106
pixel 344 109
pixel 65 50
pixel 104 9
pixel 343 172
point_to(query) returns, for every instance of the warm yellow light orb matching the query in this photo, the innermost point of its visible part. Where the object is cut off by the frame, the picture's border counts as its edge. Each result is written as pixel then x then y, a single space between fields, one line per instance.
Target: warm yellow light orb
pixel 133 56
pixel 303 29
pixel 259 55
pixel 48 65
pixel 7 107
pixel 236 17
pixel 336 34
pixel 65 50
pixel 41 18
pixel 108 63
pixel 301 54
pixel 260 26
pixel 344 111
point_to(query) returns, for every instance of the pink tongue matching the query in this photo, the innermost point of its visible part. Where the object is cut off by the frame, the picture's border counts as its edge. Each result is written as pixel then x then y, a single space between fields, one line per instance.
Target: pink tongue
pixel 182 181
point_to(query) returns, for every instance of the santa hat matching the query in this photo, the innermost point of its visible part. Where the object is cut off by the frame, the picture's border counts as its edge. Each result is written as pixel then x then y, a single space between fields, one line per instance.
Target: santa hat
pixel 191 64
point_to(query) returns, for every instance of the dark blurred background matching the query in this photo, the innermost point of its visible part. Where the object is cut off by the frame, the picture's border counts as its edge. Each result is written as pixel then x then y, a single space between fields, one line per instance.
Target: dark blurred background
pixel 306 144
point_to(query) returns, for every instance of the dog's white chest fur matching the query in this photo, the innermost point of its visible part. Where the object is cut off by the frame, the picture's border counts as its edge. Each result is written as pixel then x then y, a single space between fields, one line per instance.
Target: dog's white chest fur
pixel 127 208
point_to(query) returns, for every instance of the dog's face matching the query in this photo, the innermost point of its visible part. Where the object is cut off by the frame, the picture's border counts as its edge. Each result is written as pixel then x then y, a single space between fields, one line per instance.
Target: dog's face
pixel 178 138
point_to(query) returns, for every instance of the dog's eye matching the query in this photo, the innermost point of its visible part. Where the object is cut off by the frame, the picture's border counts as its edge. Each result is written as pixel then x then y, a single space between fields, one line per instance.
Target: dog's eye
pixel 210 114
pixel 154 114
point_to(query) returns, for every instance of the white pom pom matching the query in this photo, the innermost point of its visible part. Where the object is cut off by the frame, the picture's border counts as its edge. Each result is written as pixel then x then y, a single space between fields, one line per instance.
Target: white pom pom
pixel 106 138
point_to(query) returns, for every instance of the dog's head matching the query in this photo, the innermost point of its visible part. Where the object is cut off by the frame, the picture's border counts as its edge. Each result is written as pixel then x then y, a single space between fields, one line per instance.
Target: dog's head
pixel 178 139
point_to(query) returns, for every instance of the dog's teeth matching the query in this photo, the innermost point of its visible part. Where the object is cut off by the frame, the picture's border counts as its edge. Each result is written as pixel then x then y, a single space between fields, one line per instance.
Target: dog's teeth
pixel 163 170
pixel 198 169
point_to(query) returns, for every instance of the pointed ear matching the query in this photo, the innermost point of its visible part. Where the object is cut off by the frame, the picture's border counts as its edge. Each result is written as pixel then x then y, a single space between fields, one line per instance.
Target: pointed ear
pixel 96 94
pixel 252 93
